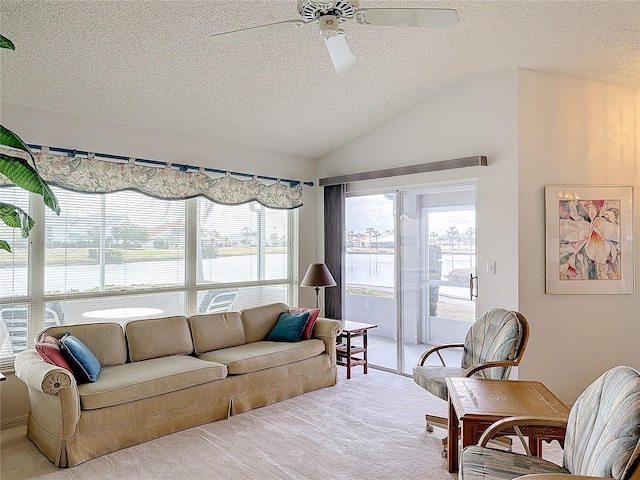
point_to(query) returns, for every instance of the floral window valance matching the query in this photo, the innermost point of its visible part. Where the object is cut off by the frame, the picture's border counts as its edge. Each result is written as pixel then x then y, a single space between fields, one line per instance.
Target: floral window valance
pixel 98 176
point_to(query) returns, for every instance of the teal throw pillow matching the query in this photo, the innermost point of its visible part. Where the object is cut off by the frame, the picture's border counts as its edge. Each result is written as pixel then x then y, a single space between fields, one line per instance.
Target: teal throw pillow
pixel 289 327
pixel 84 363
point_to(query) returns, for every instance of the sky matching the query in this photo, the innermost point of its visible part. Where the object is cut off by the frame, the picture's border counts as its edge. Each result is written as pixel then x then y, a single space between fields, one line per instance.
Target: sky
pixel 376 211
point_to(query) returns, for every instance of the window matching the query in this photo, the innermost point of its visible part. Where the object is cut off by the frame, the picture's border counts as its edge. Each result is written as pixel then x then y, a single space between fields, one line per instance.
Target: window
pixel 125 255
pixel 13 266
pixel 241 243
pixel 113 242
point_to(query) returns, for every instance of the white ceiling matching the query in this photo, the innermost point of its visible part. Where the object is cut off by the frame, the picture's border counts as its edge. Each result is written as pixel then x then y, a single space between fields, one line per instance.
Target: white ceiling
pixel 152 63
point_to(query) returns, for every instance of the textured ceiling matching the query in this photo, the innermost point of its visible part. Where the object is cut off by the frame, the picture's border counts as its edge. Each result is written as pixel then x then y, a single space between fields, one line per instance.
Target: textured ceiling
pixel 152 63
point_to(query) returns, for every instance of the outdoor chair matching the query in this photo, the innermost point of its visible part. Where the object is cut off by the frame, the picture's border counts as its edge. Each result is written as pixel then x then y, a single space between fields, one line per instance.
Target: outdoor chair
pixel 602 438
pixel 15 322
pixel 6 346
pixel 495 342
pixel 217 301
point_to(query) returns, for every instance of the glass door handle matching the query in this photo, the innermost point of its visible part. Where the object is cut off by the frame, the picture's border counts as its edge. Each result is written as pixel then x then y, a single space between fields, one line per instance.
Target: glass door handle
pixel 473 282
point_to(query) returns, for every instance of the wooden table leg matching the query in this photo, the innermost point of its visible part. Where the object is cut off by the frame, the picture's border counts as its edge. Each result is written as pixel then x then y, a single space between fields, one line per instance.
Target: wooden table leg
pixel 469 433
pixel 348 356
pixel 364 355
pixel 535 446
pixel 452 444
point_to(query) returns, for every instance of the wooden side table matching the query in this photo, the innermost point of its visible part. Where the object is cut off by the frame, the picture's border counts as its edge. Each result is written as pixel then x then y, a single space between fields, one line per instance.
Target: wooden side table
pixel 474 404
pixel 350 355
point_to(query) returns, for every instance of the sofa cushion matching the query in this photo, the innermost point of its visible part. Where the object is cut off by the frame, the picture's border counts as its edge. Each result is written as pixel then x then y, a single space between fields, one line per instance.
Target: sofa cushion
pixel 48 348
pixel 86 366
pixel 158 337
pixel 255 356
pixel 213 331
pixel 313 317
pixel 105 340
pixel 289 327
pixel 149 378
pixel 259 321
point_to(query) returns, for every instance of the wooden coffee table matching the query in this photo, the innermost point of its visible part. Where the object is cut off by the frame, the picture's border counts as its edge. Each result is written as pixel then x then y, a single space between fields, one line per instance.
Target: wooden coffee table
pixel 474 404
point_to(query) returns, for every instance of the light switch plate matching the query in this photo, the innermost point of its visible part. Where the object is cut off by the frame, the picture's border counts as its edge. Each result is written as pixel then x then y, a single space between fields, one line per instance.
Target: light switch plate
pixel 491 267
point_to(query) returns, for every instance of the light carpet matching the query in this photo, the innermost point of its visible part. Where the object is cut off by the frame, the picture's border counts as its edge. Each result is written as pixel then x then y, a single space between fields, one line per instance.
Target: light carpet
pixel 369 427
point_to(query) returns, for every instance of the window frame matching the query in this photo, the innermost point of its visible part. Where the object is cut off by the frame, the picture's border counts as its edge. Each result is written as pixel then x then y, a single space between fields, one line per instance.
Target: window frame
pixel 36 300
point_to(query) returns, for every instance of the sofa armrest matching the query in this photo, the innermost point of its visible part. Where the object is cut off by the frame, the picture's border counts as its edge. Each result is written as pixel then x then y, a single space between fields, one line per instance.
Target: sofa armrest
pixel 436 350
pixel 327 327
pixel 40 375
pixel 54 400
pixel 327 330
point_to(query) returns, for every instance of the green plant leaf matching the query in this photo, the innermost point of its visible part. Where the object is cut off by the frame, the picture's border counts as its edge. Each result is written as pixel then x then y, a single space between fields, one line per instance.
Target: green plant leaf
pixel 15 217
pixel 25 176
pixel 10 139
pixel 5 246
pixel 6 43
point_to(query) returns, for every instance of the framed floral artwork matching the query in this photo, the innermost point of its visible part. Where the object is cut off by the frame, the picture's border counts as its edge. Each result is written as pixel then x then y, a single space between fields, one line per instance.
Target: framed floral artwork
pixel 589 246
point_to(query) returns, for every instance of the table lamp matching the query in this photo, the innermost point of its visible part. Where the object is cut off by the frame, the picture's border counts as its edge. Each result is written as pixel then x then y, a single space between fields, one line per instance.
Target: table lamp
pixel 318 275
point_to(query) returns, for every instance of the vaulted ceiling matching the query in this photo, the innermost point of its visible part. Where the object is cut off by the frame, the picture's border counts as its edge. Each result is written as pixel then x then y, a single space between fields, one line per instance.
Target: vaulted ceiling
pixel 153 63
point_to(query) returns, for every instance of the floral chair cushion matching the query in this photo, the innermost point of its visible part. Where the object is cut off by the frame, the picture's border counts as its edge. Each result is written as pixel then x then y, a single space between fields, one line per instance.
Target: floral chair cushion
pixel 501 464
pixel 495 336
pixel 603 430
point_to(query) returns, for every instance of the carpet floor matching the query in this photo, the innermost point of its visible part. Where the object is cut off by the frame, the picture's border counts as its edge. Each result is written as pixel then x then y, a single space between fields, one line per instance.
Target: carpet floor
pixel 369 427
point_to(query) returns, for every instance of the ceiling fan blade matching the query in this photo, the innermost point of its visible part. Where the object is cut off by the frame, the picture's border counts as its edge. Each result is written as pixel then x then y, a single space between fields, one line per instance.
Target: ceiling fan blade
pixel 446 19
pixel 257 31
pixel 341 54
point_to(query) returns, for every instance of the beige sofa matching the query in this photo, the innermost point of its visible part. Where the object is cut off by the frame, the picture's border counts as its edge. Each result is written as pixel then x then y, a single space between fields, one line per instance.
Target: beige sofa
pixel 163 375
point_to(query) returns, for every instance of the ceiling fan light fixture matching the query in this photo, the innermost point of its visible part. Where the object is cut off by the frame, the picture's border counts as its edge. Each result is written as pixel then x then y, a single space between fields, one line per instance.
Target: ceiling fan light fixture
pixel 329 26
pixel 341 54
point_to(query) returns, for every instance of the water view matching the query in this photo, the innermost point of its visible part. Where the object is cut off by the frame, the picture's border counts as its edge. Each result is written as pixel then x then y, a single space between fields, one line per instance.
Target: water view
pixel 363 269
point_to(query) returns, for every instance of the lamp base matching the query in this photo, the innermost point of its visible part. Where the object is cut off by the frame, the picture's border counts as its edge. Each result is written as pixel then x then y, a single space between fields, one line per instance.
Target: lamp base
pixel 317 297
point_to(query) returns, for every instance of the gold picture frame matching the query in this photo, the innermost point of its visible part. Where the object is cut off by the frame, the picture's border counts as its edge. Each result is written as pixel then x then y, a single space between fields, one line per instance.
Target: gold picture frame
pixel 589 239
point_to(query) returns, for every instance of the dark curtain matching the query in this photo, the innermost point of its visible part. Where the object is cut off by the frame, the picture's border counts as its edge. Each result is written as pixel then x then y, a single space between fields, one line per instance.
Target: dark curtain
pixel 334 198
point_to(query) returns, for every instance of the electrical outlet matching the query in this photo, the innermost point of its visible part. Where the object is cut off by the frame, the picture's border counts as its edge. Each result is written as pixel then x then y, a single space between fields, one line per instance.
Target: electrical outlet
pixel 491 267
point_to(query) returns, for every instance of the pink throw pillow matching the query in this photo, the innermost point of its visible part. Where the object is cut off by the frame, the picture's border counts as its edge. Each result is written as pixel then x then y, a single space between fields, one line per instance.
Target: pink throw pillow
pixel 49 349
pixel 46 338
pixel 313 316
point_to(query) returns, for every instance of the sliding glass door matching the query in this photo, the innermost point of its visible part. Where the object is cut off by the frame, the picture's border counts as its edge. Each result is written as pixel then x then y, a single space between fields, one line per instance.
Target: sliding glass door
pixel 370 272
pixel 409 258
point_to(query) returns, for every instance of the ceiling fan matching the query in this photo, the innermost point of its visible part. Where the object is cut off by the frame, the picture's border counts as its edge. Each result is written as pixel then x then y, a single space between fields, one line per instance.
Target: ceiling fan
pixel 330 14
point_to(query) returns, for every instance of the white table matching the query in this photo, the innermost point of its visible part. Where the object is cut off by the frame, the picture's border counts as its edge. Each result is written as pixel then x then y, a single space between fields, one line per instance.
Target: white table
pixel 122 313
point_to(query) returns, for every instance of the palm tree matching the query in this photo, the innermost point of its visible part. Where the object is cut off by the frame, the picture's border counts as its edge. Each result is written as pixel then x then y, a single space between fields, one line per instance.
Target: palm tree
pixel 370 230
pixel 376 234
pixel 452 233
pixel 434 237
pixel 246 233
pixel 470 235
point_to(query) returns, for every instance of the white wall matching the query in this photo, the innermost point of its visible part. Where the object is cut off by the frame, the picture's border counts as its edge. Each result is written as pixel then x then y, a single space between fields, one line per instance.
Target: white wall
pixel 478 117
pixel 61 130
pixel 68 131
pixel 586 133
